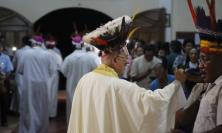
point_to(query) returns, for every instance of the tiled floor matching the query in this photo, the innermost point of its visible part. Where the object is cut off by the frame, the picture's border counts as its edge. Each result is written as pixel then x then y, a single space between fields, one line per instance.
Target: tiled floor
pixel 13 122
pixel 57 125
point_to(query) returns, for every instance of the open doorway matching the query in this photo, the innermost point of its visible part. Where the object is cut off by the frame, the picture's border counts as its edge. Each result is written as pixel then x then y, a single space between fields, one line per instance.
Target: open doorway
pixel 60 24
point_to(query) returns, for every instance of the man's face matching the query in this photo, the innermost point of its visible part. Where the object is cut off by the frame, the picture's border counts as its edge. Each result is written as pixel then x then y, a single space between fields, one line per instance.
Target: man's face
pixel 161 53
pixel 160 72
pixel 188 47
pixel 148 55
pixel 193 55
pixel 210 66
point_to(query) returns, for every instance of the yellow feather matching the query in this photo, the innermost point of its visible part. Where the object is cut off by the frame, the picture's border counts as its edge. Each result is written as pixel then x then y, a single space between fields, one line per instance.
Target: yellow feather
pixel 132 32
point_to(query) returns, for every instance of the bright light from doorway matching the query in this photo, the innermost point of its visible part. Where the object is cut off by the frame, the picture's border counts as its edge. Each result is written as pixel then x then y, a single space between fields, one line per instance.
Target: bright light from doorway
pixel 14 48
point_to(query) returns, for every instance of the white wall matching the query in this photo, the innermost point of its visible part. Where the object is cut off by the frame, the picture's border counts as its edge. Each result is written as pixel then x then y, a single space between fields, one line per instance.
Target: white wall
pixel 167 4
pixel 181 17
pixel 34 9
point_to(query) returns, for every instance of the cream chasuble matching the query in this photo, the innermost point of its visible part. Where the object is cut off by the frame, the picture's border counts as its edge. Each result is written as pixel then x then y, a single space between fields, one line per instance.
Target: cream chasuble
pixel 103 103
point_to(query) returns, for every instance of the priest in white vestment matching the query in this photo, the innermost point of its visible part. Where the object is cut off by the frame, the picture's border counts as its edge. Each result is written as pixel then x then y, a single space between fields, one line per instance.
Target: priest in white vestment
pixel 103 103
pixel 53 82
pixel 17 59
pixel 74 67
pixel 36 68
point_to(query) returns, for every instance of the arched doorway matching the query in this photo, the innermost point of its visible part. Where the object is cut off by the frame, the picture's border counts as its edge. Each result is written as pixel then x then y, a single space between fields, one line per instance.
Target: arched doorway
pixel 13 27
pixel 152 25
pixel 60 24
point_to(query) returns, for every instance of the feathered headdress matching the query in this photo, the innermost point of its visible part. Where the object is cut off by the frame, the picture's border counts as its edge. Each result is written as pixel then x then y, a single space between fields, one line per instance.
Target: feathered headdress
pixel 111 36
pixel 210 29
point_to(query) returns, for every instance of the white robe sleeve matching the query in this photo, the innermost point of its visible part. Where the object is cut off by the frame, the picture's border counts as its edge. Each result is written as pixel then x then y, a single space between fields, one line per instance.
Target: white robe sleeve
pixel 103 104
pixel 152 110
pixel 65 67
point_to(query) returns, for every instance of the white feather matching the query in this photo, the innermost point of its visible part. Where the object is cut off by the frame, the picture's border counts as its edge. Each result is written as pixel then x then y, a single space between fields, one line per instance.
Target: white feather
pixel 109 27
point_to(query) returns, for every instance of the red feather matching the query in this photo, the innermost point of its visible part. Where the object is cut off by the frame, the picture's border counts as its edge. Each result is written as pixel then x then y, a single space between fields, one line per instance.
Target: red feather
pixel 100 41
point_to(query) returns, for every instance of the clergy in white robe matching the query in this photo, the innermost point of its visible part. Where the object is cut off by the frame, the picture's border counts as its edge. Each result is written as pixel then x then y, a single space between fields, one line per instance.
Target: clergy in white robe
pixel 53 82
pixel 103 103
pixel 36 69
pixel 73 68
pixel 17 59
pixel 55 49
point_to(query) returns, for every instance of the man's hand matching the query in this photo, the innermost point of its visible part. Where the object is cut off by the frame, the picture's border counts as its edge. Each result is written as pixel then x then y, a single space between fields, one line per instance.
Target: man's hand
pixel 143 76
pixel 180 75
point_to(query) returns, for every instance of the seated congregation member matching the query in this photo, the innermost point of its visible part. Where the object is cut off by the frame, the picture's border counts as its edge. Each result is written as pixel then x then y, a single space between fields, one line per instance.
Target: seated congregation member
pixel 175 50
pixel 141 70
pixel 163 49
pixel 182 59
pixel 162 76
pixel 104 103
pixel 138 48
pixel 203 112
pixel 192 72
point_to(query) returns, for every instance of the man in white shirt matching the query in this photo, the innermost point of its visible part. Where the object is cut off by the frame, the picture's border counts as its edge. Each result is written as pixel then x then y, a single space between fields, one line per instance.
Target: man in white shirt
pixel 142 67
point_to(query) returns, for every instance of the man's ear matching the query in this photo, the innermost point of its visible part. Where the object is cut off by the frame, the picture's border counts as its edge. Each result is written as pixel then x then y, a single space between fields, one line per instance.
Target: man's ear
pixel 115 59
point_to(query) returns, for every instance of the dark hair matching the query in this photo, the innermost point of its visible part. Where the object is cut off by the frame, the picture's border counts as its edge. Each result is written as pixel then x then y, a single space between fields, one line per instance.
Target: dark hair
pixel 149 47
pixel 26 40
pixel 131 44
pixel 176 46
pixel 164 63
pixel 186 41
pixel 164 46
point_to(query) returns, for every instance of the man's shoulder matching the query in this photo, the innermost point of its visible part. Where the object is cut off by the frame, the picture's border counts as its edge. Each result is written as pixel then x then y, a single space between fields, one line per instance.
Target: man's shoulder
pixel 138 59
pixel 156 59
pixel 5 56
pixel 71 56
pixel 218 81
